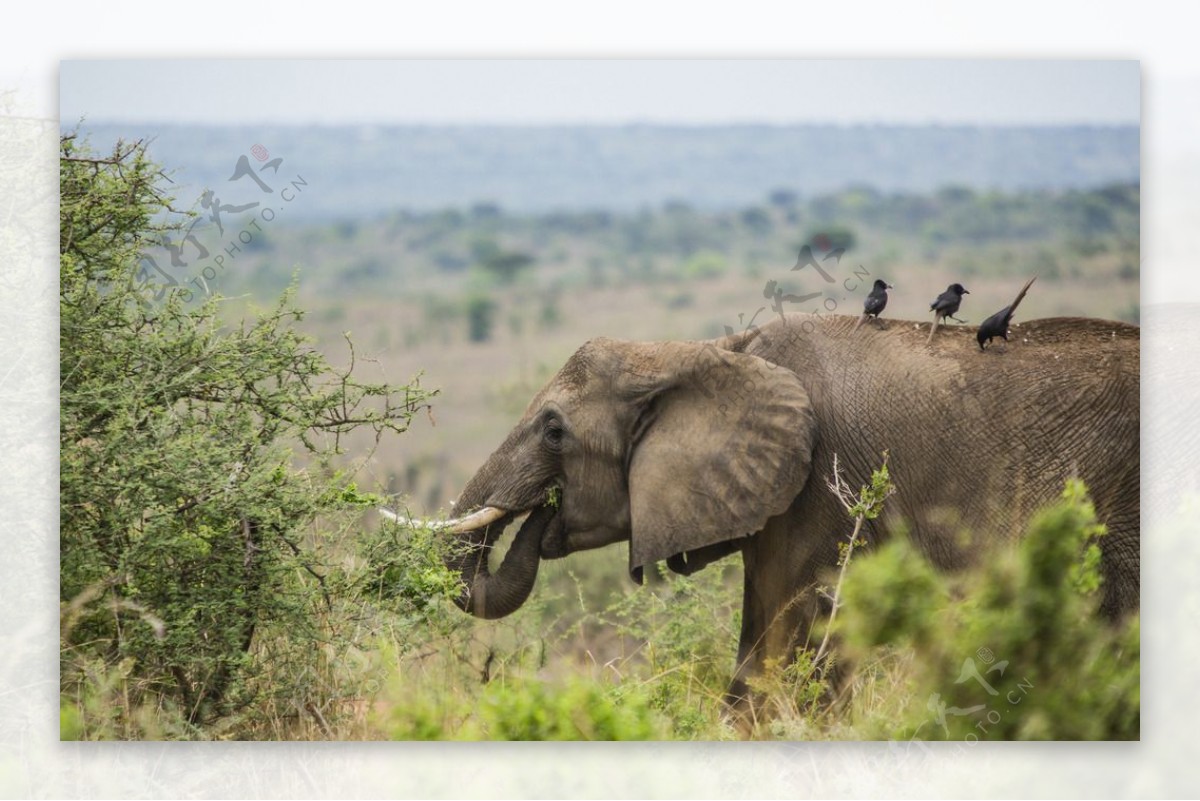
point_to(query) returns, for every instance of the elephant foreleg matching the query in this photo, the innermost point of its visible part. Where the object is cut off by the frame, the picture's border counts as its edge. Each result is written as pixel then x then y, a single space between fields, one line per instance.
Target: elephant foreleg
pixel 769 640
pixel 780 604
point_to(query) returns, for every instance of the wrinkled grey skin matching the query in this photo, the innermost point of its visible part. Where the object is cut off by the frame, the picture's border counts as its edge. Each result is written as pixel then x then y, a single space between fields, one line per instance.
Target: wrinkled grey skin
pixel 689 451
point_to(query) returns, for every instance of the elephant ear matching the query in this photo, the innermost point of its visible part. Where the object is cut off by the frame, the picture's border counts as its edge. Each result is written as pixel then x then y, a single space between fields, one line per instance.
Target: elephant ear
pixel 724 444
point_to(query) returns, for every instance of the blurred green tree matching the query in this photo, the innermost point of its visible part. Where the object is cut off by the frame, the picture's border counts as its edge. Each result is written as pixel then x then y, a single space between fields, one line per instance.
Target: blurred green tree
pixel 481 317
pixel 503 264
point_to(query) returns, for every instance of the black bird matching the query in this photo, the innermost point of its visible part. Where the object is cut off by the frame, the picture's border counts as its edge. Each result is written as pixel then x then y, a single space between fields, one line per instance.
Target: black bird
pixel 875 303
pixel 946 305
pixel 997 324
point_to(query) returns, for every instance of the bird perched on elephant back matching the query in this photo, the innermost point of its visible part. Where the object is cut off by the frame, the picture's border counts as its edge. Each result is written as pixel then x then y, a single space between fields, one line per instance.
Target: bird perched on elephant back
pixel 997 324
pixel 689 451
pixel 946 305
pixel 875 303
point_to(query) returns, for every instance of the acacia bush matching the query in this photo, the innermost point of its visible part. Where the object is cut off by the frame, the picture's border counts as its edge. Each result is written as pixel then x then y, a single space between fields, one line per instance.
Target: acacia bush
pixel 200 494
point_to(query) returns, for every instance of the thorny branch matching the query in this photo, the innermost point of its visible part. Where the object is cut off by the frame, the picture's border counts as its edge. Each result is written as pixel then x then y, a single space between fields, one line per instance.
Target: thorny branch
pixel 866 506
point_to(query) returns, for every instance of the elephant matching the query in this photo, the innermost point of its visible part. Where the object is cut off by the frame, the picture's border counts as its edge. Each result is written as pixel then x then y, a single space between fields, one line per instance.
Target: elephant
pixel 692 450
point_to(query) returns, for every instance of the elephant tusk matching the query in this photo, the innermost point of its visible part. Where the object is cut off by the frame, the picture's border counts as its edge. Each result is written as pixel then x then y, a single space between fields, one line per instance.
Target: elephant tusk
pixel 458 525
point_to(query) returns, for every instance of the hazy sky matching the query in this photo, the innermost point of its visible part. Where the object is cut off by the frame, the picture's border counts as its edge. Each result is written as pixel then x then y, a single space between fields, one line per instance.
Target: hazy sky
pixel 596 91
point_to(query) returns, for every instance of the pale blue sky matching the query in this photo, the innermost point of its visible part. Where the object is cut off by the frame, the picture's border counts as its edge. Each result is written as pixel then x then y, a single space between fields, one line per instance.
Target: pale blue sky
pixel 1002 92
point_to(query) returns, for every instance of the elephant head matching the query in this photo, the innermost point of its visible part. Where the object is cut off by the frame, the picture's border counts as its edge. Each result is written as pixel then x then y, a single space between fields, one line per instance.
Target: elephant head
pixel 676 447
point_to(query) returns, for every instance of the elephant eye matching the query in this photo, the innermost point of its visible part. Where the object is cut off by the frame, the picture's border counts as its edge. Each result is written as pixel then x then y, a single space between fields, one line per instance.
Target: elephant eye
pixel 553 434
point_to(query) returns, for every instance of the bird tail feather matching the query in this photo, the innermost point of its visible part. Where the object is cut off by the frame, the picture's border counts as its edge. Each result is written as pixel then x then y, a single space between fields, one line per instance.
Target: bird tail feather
pixel 1021 295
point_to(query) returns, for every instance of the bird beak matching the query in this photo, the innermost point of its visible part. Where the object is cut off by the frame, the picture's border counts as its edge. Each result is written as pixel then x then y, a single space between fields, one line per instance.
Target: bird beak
pixel 966 292
pixel 891 286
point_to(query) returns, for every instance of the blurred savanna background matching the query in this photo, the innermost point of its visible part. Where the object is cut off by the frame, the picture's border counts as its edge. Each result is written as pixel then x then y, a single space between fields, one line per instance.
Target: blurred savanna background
pixel 459 246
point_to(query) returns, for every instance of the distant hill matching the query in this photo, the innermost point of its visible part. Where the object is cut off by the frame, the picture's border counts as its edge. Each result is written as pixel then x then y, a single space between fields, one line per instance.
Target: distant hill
pixel 356 172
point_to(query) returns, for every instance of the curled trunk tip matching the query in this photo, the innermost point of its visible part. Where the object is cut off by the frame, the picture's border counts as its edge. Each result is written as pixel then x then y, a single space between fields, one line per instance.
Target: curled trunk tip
pixel 490 596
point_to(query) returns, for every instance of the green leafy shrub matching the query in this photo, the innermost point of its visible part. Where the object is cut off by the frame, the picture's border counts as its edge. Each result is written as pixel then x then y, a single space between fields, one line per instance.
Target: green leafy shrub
pixel 1011 650
pixel 575 710
pixel 404 569
pixel 688 626
pixel 529 709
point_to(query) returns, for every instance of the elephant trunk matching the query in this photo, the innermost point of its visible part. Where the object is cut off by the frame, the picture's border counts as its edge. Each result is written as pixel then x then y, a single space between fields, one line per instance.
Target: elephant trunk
pixel 503 488
pixel 491 596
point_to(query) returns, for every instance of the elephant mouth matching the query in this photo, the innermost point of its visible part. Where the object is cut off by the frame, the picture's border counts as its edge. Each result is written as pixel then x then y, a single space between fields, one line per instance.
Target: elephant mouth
pixel 552 539
pixel 552 542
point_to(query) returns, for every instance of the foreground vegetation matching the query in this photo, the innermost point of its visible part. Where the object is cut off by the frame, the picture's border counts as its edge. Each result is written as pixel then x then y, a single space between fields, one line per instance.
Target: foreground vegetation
pixel 222 576
pixel 1010 650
